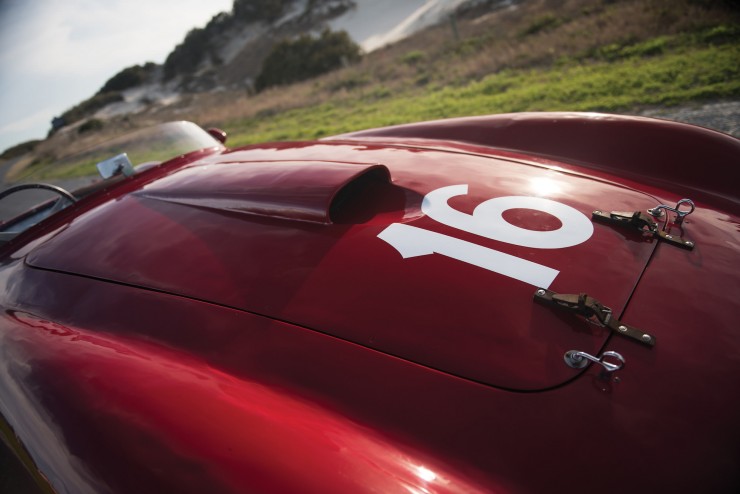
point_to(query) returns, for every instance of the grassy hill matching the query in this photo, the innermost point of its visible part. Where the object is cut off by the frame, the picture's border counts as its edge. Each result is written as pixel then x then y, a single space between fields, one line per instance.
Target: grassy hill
pixel 539 55
pixel 544 55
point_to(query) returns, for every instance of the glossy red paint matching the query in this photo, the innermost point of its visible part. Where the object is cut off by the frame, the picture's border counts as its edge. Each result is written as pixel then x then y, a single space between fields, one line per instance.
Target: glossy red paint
pixel 207 349
pixel 166 412
pixel 334 278
pixel 299 191
pixel 671 155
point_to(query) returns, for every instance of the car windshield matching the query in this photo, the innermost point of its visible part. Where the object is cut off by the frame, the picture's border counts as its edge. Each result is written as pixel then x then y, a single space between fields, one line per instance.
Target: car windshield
pixel 158 143
pixel 71 165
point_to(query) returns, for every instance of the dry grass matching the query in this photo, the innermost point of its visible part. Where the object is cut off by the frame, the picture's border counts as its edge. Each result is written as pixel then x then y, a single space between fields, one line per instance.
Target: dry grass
pixel 488 44
pixel 537 34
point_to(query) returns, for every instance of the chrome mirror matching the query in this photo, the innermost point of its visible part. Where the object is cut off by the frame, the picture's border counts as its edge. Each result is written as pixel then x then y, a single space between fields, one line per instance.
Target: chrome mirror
pixel 217 134
pixel 116 165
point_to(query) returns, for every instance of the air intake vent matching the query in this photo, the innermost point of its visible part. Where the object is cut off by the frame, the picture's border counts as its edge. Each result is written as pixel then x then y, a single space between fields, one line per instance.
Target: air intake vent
pixel 313 191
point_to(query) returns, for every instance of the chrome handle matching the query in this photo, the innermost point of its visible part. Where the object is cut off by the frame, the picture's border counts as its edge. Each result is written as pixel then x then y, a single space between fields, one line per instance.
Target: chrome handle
pixel 578 360
pixel 657 211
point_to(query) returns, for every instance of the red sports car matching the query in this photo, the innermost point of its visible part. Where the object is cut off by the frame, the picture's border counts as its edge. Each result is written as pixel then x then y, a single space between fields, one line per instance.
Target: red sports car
pixel 543 302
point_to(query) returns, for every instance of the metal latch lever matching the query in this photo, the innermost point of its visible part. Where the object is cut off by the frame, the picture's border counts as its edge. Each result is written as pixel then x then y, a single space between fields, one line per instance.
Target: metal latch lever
pixel 592 310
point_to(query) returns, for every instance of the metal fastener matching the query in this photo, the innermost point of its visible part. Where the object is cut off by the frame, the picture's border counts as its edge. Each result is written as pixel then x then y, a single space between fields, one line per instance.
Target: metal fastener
pixel 646 337
pixel 668 237
pixel 597 212
pixel 541 292
pixel 623 329
pixel 690 244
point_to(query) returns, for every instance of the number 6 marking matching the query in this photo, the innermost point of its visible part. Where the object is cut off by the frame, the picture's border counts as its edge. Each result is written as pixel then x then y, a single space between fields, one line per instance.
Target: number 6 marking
pixel 487 221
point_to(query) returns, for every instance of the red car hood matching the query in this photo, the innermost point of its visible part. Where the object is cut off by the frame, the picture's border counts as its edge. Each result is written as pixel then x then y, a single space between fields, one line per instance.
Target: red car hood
pixel 426 255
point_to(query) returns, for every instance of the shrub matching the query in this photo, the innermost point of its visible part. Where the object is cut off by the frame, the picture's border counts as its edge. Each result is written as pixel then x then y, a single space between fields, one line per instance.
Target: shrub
pixel 353 81
pixel 413 57
pixel 19 149
pixel 541 23
pixel 306 57
pixel 89 106
pixel 91 125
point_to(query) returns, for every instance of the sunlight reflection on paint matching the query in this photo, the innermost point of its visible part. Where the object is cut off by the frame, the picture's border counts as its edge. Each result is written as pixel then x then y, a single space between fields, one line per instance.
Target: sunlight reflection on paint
pixel 544 186
pixel 425 474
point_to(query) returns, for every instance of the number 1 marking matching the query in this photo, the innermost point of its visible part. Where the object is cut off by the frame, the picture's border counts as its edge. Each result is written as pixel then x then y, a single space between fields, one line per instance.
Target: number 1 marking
pixel 411 241
pixel 487 221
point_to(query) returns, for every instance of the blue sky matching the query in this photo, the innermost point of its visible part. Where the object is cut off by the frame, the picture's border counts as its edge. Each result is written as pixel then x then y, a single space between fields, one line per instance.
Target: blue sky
pixel 56 53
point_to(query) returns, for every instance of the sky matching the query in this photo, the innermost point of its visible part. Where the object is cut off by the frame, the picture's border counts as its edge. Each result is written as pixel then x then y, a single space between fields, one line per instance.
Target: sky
pixel 57 53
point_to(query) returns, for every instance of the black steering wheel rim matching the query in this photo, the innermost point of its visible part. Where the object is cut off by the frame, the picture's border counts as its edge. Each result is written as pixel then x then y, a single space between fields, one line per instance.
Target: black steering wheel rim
pixel 16 188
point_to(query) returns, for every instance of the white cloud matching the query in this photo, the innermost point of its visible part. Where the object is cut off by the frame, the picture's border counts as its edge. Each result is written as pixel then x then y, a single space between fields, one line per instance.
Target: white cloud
pixel 54 53
pixel 84 36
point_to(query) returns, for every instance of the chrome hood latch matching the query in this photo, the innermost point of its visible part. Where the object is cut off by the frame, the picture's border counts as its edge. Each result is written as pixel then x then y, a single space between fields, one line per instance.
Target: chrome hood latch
pixel 642 222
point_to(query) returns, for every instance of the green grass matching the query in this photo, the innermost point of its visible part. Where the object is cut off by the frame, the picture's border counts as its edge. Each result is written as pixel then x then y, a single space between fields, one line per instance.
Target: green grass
pixel 644 74
pixel 620 76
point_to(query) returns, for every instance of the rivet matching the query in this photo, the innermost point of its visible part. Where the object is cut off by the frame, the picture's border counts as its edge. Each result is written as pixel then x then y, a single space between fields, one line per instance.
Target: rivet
pixel 668 237
pixel 597 212
pixel 690 244
pixel 623 329
pixel 646 337
pixel 541 292
pixel 617 380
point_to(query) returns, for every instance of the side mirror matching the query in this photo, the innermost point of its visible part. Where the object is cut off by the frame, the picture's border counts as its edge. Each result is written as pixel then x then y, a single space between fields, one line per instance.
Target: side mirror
pixel 217 134
pixel 115 166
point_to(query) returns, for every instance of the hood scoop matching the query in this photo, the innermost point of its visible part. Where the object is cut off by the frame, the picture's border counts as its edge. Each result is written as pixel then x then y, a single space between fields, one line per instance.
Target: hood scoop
pixel 312 191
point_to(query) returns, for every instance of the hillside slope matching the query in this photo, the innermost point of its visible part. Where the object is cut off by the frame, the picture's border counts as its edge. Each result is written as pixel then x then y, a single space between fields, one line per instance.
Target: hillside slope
pixel 228 53
pixel 539 55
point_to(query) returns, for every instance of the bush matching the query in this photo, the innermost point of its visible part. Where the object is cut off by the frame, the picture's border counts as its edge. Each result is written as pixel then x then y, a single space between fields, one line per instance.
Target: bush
pixel 91 125
pixel 541 23
pixel 19 149
pixel 413 57
pixel 89 106
pixel 306 57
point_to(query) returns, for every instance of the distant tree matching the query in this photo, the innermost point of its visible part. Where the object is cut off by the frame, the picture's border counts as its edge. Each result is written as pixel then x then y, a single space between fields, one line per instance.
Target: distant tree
pixel 201 43
pixel 57 123
pixel 219 23
pixel 306 57
pixel 129 77
pixel 87 108
pixel 198 43
pixel 188 54
pixel 259 10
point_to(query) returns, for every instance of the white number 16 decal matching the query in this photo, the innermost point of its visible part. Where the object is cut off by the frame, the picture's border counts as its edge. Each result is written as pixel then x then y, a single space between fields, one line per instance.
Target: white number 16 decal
pixel 487 221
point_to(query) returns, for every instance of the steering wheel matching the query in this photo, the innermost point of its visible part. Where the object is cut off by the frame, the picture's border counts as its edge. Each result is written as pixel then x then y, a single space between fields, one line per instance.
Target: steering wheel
pixel 6 236
pixel 16 188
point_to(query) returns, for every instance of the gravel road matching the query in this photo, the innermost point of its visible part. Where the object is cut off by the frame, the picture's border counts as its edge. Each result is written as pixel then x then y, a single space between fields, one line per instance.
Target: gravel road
pixel 723 116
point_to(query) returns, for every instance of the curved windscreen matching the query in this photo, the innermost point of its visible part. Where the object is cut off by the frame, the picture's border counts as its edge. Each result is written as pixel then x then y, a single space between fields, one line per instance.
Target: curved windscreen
pixel 153 144
pixel 72 166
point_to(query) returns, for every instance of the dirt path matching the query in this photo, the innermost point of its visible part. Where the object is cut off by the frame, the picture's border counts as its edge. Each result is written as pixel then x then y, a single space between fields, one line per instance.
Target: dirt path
pixel 5 166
